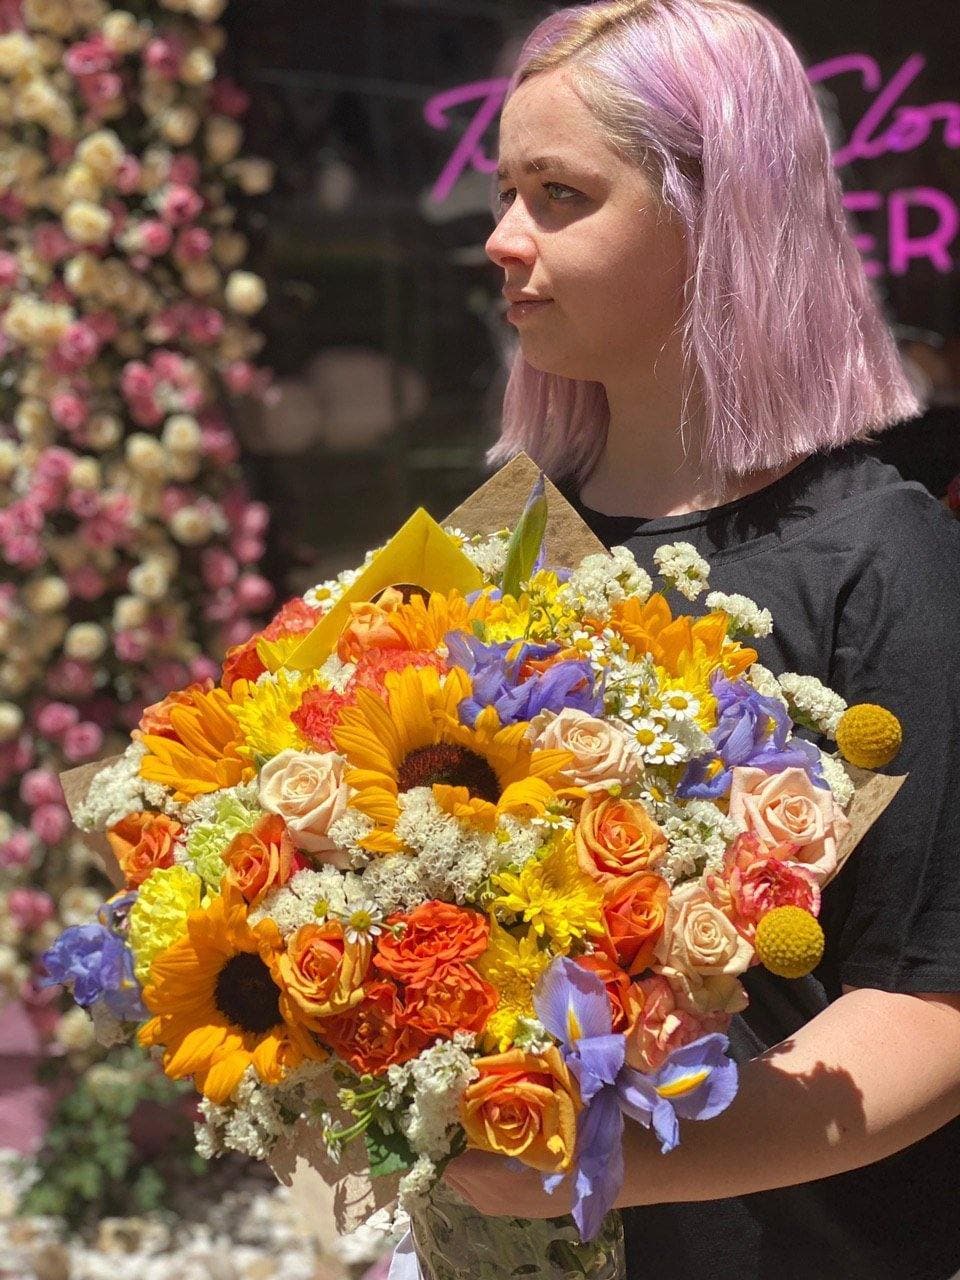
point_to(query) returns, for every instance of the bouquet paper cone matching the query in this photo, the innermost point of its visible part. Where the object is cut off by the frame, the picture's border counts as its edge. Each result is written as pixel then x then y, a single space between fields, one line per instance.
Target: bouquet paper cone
pixel 299 1161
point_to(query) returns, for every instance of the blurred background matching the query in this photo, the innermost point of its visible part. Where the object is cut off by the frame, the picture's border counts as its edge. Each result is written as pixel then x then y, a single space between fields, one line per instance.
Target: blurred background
pixel 381 357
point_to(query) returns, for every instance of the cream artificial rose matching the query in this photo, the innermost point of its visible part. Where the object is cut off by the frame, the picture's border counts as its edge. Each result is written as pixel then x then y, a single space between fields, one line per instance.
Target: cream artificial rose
pixel 602 753
pixel 701 996
pixel 307 790
pixel 698 938
pixel 786 806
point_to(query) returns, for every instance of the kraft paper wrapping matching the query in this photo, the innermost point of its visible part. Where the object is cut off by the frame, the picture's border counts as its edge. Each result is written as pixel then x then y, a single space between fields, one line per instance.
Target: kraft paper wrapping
pixel 300 1161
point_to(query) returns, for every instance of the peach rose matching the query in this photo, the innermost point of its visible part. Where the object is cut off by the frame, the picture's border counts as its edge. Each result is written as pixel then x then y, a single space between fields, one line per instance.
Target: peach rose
pixel 322 972
pixel 371 1036
pixel 602 753
pixel 523 1105
pixel 786 806
pixel 617 840
pixel 309 792
pixel 142 842
pixel 433 934
pixel 261 859
pixel 369 627
pixel 634 917
pixel 698 938
pixel 662 1025
pixel 700 994
pixel 453 998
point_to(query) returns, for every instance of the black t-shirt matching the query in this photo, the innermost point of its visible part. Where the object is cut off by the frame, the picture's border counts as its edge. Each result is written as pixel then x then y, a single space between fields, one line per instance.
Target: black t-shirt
pixel 861 571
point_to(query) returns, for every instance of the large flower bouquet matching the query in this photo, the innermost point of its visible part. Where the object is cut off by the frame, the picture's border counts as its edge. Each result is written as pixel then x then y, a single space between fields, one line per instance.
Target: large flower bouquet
pixel 465 850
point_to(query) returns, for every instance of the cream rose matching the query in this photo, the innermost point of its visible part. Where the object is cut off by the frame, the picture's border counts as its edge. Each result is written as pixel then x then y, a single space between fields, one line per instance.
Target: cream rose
pixel 698 938
pixel 308 791
pixel 602 753
pixel 786 806
pixel 720 993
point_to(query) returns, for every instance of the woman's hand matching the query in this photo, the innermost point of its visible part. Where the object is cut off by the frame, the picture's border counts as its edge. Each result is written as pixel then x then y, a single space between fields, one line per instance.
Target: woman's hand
pixel 497 1188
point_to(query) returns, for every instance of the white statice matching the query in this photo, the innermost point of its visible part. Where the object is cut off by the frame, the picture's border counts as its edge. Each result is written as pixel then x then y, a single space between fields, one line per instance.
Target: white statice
pixel 764 681
pixel 531 1035
pixel 310 896
pixel 746 616
pixel 435 1082
pixel 487 551
pixel 683 568
pixel 600 581
pixel 416 1184
pixel 118 790
pixel 335 674
pixel 347 832
pixel 257 1115
pixel 812 703
pixel 371 1240
pixel 838 780
pixel 204 808
pixel 698 834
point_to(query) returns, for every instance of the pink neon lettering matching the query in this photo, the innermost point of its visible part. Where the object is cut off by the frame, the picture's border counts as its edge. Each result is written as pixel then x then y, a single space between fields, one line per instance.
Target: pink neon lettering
pixel 469 150
pixel 934 245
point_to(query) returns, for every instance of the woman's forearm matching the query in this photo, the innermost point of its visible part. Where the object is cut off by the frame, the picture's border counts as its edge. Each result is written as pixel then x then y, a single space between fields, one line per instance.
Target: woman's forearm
pixel 872 1074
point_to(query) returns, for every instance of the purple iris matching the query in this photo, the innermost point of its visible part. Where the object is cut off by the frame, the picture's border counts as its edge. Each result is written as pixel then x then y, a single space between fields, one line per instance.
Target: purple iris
pixel 696 1082
pixel 498 682
pixel 96 965
pixel 114 914
pixel 751 730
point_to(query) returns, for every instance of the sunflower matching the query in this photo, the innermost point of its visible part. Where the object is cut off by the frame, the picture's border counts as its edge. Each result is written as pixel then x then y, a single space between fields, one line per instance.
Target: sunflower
pixel 202 750
pixel 219 1005
pixel 412 738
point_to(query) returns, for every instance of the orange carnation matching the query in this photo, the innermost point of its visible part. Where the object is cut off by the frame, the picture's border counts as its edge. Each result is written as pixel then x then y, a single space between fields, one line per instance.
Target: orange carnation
pixel 634 918
pixel 435 933
pixel 261 859
pixel 372 1037
pixel 453 998
pixel 322 972
pixel 142 842
pixel 617 840
pixel 523 1105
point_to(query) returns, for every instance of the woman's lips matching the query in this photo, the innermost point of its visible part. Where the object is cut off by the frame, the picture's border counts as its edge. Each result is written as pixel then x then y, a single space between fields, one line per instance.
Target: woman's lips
pixel 518 311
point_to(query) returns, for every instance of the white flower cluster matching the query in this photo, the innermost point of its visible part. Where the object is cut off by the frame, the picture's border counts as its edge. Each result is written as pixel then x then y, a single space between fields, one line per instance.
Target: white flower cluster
pixel 601 580
pixel 258 1115
pixel 118 790
pixel 371 1240
pixel 765 682
pixel 838 780
pixel 347 832
pixel 680 565
pixel 812 703
pixel 416 1184
pixel 698 833
pixel 450 860
pixel 204 808
pixel 746 616
pixel 311 896
pixel 488 552
pixel 336 674
pixel 436 1079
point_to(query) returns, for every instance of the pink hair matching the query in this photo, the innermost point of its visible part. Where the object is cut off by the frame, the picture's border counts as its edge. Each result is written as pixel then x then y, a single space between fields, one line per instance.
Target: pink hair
pixel 783 337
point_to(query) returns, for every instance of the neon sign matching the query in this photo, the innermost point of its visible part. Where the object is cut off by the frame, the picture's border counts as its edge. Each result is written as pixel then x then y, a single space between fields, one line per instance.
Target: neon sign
pixel 922 222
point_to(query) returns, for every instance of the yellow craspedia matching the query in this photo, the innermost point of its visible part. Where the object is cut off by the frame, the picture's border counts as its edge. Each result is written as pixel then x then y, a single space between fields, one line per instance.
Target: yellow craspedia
pixel 868 736
pixel 789 942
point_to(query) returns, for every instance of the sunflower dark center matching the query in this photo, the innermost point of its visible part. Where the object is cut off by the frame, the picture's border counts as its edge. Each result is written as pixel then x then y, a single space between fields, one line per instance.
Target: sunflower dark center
pixel 246 994
pixel 446 762
pixel 407 589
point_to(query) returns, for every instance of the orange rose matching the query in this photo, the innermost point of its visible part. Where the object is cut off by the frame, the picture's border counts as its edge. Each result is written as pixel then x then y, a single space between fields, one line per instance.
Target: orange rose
pixel 369 627
pixel 141 843
pixel 434 933
pixel 617 839
pixel 624 995
pixel 453 998
pixel 634 919
pixel 261 859
pixel 322 972
pixel 523 1105
pixel 371 1036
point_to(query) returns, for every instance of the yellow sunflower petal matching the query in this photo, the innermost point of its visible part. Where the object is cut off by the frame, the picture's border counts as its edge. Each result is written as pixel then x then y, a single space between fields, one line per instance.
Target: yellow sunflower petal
pixel 219 1080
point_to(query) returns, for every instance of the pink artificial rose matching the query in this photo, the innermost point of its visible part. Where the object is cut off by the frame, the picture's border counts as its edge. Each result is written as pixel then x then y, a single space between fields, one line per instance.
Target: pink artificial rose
pixel 30 908
pixel 40 786
pixel 83 742
pixel 55 718
pixel 193 244
pixel 154 237
pixel 9 269
pixel 163 55
pixel 50 823
pixel 16 851
pixel 86 583
pixel 87 57
pixel 254 592
pixel 786 806
pixel 128 175
pixel 180 205
pixel 185 168
pixel 663 1026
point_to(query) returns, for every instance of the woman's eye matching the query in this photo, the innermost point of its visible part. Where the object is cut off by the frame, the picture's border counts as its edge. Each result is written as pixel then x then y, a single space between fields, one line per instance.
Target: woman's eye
pixel 558 192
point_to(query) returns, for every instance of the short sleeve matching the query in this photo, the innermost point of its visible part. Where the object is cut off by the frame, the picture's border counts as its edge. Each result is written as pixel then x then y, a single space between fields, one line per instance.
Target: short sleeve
pixel 898 644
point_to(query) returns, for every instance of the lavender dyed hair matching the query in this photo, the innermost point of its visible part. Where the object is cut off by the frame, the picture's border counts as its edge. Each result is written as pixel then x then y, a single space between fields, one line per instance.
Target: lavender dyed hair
pixel 783 338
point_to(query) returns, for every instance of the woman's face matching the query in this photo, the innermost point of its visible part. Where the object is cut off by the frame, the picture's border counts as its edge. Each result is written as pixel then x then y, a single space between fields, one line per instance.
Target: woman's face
pixel 585 232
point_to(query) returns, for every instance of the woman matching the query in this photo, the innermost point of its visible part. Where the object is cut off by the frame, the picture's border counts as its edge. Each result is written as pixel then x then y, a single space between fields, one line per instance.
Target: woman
pixel 699 357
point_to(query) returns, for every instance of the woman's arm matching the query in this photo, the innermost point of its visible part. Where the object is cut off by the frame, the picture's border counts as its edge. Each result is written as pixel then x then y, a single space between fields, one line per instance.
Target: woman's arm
pixel 871 1074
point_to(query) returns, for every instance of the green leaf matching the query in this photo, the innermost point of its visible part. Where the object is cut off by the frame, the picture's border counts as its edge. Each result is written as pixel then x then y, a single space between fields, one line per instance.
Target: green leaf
pixel 525 541
pixel 387 1152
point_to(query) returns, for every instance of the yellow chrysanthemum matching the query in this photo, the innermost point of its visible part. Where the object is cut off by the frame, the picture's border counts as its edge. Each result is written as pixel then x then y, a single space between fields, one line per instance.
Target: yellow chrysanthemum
pixel 789 942
pixel 206 753
pixel 513 966
pixel 159 915
pixel 219 1004
pixel 263 714
pixel 553 895
pixel 413 738
pixel 869 736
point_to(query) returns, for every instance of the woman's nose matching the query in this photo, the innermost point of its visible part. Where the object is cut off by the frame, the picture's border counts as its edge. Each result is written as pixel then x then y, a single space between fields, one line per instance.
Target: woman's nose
pixel 511 242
